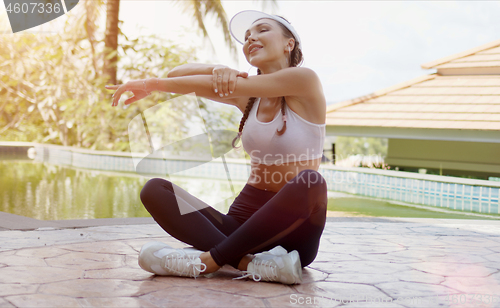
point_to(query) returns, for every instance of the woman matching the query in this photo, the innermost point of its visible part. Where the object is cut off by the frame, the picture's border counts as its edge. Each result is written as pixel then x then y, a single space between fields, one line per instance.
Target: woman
pixel 283 205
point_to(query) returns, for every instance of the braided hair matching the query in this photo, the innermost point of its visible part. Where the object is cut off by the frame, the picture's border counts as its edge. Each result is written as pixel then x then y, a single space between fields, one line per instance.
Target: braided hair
pixel 296 59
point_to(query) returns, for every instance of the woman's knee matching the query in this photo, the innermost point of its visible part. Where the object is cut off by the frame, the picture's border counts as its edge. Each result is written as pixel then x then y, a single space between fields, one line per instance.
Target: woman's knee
pixel 153 188
pixel 310 179
pixel 307 258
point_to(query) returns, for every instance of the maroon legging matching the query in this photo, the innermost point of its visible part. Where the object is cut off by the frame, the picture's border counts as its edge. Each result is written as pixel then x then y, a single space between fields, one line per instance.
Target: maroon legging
pixel 257 221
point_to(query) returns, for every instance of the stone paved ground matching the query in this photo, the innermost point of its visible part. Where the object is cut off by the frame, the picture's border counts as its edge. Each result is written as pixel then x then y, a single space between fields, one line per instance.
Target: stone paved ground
pixel 421 262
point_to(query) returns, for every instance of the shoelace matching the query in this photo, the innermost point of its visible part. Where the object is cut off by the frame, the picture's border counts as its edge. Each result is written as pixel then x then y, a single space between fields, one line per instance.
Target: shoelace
pixel 262 270
pixel 176 262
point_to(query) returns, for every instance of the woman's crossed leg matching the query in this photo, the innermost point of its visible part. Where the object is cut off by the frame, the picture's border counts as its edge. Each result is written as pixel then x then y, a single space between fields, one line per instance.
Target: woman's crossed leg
pixel 293 218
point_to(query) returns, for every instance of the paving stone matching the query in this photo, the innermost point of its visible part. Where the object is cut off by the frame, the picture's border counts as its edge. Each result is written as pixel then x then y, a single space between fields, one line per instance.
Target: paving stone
pixel 44 252
pixel 136 244
pixel 14 260
pixel 366 267
pixel 310 275
pixel 469 242
pixel 372 304
pixel 86 261
pixel 299 300
pixel 117 273
pixel 118 302
pixel 494 248
pixel 248 288
pixel 31 274
pixel 495 257
pixel 418 276
pixel 335 257
pixel 198 297
pixel 385 257
pixel 491 264
pixel 354 249
pixel 42 300
pixel 97 266
pixel 17 288
pixel 411 289
pixel 5 304
pixel 102 288
pixel 414 240
pixel 494 238
pixel 460 257
pixel 454 269
pixel 422 253
pixel 362 278
pixel 359 231
pixel 337 291
pixel 475 285
pixel 486 229
pixel 443 231
pixel 107 247
pixel 359 240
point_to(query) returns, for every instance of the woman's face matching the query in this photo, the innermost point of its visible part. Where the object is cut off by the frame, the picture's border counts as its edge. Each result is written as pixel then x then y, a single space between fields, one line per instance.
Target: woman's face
pixel 264 43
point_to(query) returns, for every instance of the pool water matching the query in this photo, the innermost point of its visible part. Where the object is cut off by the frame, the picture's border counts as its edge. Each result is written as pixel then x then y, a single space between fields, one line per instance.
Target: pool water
pixel 51 192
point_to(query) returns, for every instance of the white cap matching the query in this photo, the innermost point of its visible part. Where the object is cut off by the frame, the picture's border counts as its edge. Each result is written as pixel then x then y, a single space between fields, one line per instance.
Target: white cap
pixel 243 20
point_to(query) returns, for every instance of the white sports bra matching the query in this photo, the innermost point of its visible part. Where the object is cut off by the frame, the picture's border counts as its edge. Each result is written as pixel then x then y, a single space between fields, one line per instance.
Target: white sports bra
pixel 301 141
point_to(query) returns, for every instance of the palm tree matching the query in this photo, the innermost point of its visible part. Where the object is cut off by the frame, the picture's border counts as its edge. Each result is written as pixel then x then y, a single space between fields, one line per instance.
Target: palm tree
pixel 111 40
pixel 199 8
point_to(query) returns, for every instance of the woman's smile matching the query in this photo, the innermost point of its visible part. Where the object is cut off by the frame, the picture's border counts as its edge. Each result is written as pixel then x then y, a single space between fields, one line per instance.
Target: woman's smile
pixel 254 47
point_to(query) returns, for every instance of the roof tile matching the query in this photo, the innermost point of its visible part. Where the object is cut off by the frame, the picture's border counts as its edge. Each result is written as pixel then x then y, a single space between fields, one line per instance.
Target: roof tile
pixel 435 101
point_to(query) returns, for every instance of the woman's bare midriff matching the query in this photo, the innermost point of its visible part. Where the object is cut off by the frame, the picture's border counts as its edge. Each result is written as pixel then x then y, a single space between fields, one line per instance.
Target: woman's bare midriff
pixel 274 177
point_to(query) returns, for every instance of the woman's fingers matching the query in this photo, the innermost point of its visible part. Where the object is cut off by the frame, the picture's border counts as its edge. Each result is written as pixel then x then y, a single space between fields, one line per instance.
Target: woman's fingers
pixel 116 95
pixel 132 86
pixel 233 79
pixel 225 82
pixel 134 98
pixel 243 74
pixel 214 81
pixel 232 82
pixel 220 77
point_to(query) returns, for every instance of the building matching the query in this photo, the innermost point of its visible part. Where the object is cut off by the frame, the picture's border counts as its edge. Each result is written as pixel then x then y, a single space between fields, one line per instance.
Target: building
pixel 447 122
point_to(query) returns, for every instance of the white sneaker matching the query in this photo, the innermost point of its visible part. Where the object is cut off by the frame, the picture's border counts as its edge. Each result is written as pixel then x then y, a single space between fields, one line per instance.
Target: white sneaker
pixel 161 259
pixel 275 265
pixel 276 251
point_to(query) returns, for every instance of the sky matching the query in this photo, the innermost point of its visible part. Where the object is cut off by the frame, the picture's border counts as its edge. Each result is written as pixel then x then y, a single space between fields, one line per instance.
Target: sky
pixel 355 47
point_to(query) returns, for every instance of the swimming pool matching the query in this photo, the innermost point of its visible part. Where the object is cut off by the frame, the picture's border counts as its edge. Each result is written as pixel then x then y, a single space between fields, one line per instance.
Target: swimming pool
pixel 70 183
pixel 51 192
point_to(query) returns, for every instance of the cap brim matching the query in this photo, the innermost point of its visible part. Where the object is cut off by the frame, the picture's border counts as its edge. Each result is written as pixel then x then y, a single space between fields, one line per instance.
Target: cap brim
pixel 243 20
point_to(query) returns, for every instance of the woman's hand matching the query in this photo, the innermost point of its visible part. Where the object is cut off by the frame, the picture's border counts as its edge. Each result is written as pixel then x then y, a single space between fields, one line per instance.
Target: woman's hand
pixel 138 87
pixel 224 79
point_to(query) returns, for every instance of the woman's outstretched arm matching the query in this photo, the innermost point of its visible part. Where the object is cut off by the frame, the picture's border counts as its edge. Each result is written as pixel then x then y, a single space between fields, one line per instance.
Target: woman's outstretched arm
pixel 224 78
pixel 190 69
pixel 293 81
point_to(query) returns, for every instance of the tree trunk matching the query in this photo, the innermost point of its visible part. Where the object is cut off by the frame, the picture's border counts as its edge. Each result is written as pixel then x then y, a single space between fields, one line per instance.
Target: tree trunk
pixel 111 39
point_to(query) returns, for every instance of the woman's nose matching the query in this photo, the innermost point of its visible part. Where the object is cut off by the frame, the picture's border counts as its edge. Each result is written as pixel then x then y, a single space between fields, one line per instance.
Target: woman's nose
pixel 251 38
